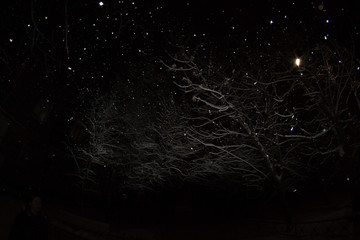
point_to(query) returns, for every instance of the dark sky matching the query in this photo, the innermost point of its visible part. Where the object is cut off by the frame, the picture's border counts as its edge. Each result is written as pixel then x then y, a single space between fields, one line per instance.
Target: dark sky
pixel 77 44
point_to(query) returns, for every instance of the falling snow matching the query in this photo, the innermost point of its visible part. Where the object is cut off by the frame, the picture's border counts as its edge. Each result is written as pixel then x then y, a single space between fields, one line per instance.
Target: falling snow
pixel 58 57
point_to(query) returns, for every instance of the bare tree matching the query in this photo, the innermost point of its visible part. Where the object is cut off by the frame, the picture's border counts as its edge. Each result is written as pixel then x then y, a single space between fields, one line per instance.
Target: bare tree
pixel 243 119
pixel 257 122
pixel 268 121
pixel 143 148
pixel 105 126
pixel 163 149
pixel 330 85
pixel 330 81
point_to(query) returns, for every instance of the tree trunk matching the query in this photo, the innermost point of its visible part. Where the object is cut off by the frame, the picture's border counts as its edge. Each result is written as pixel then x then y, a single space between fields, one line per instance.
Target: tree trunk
pixel 286 211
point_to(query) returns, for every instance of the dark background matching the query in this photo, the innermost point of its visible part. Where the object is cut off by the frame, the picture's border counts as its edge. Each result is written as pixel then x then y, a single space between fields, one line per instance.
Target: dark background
pixel 56 55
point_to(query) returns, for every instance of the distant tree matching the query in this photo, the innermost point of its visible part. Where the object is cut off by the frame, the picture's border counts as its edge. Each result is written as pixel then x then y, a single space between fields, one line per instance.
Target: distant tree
pixel 142 148
pixel 163 148
pixel 330 82
pixel 102 158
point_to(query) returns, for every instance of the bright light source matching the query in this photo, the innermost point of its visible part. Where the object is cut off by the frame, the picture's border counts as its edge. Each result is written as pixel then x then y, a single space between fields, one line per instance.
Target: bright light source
pixel 101 3
pixel 297 62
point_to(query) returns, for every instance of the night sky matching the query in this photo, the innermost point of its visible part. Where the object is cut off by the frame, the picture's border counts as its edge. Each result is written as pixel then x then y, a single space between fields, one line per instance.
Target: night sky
pixel 58 56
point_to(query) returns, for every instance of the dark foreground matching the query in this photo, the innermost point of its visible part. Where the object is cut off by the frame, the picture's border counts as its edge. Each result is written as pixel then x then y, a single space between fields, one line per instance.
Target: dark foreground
pixel 311 220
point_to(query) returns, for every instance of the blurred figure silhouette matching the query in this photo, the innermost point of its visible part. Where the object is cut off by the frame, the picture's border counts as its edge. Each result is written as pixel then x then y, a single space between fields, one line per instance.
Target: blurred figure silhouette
pixel 30 224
